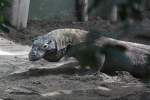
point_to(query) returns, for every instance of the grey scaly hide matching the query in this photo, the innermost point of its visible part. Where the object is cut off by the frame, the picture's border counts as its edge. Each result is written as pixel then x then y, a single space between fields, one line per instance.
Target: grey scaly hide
pixel 52 46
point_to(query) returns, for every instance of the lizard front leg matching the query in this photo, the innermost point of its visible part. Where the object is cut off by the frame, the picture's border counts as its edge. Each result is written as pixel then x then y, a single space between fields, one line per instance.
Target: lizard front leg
pixel 100 60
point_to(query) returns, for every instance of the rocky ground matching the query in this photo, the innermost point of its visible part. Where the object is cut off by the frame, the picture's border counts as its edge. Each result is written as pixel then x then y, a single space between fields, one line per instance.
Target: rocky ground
pixel 21 79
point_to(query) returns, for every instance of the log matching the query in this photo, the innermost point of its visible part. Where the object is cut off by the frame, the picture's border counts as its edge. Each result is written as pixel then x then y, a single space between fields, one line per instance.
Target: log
pixel 110 55
pixel 130 45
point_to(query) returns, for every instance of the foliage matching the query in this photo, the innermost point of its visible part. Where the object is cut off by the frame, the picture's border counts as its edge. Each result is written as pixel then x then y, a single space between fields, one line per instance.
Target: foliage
pixel 3 4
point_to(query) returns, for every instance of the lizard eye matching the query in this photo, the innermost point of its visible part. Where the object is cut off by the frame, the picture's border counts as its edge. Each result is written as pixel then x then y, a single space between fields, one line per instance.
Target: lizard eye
pixel 45 46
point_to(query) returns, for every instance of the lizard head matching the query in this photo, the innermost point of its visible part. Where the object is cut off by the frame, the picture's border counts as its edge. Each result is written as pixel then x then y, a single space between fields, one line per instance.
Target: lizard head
pixel 41 45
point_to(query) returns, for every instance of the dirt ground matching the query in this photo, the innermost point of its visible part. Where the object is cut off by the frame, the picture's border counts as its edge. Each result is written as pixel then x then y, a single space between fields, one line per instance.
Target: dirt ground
pixel 21 79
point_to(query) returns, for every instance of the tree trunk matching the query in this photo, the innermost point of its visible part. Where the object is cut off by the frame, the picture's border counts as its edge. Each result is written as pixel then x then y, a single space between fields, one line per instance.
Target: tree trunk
pixel 82 10
pixel 147 4
pixel 20 10
pixel 114 14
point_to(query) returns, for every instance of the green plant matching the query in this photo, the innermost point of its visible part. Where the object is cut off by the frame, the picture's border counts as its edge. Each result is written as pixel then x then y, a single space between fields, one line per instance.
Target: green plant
pixel 3 4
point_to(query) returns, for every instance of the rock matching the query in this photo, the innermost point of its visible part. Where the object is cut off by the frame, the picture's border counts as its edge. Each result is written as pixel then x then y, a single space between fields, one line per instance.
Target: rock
pixel 21 91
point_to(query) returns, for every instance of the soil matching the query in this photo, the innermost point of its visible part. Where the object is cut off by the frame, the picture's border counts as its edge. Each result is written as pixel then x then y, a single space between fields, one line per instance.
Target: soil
pixel 21 79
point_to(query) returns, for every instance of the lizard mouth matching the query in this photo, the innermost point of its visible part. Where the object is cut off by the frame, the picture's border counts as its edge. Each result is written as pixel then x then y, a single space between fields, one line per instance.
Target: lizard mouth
pixel 50 52
pixel 32 58
pixel 52 55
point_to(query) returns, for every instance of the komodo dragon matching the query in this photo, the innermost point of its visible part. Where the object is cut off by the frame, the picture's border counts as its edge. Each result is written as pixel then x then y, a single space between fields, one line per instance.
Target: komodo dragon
pixel 52 46
pixel 104 52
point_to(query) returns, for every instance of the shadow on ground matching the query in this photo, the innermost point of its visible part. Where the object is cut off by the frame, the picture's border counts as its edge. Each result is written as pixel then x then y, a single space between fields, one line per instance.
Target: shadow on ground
pixel 21 79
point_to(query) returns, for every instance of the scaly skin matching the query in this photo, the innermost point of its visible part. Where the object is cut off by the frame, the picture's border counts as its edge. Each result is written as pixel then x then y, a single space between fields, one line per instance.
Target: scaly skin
pixel 52 46
pixel 91 50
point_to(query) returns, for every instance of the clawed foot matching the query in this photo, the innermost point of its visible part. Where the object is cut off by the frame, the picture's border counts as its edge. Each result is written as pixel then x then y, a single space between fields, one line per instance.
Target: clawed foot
pixel 93 73
pixel 90 76
pixel 98 74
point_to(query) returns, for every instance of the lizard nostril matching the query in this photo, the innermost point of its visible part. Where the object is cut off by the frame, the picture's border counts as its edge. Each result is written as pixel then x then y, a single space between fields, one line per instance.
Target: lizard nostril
pixel 32 54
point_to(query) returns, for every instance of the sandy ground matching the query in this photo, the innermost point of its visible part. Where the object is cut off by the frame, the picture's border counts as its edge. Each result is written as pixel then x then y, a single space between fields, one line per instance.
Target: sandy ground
pixel 21 79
